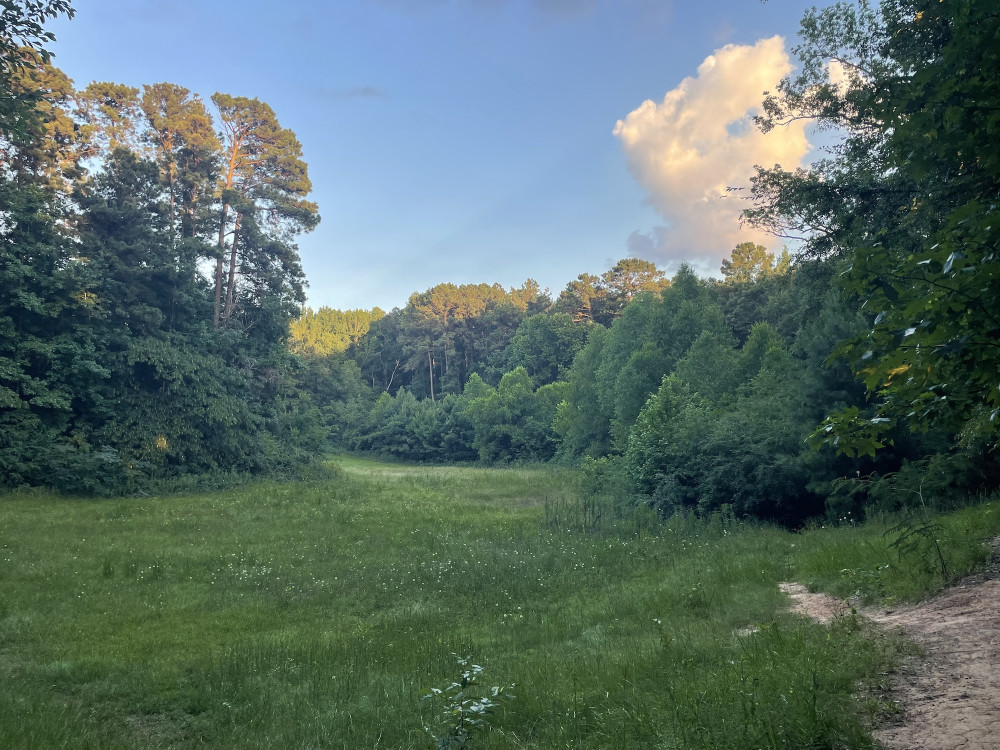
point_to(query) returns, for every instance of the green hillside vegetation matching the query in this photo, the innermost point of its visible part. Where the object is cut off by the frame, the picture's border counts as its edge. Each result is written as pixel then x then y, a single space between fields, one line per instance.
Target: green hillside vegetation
pixel 318 614
pixel 152 327
pixel 703 396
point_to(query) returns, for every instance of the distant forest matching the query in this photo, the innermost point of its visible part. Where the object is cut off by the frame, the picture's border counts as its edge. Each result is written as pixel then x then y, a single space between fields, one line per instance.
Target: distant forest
pixel 152 327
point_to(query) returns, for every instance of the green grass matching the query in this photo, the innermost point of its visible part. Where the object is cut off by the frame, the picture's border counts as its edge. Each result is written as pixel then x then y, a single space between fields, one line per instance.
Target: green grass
pixel 871 562
pixel 316 615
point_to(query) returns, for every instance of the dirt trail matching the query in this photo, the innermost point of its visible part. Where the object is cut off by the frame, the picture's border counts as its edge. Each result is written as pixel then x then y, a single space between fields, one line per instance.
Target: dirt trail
pixel 951 696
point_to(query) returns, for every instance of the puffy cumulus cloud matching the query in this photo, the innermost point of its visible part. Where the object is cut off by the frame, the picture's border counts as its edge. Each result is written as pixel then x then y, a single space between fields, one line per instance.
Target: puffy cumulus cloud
pixel 659 243
pixel 838 74
pixel 701 140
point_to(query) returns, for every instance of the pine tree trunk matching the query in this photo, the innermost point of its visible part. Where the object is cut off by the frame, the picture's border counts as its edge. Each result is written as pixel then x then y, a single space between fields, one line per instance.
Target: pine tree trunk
pixel 170 182
pixel 430 369
pixel 217 314
pixel 232 271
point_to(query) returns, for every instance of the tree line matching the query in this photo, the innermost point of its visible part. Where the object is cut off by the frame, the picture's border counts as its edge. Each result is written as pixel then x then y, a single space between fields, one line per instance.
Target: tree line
pixel 149 274
pixel 863 371
pixel 151 318
pixel 697 395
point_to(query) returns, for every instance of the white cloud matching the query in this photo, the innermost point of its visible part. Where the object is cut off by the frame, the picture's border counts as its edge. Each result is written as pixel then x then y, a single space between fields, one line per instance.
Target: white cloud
pixel 838 74
pixel 701 140
pixel 844 77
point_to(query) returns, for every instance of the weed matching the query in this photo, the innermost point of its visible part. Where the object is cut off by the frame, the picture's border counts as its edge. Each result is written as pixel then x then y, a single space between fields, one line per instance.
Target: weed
pixel 466 708
pixel 918 537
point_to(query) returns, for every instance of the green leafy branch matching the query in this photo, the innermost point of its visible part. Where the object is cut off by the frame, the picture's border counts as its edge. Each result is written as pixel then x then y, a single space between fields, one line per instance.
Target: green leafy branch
pixel 466 710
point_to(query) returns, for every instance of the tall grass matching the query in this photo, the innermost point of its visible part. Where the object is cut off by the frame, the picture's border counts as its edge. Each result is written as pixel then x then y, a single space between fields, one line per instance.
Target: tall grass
pixel 897 557
pixel 316 615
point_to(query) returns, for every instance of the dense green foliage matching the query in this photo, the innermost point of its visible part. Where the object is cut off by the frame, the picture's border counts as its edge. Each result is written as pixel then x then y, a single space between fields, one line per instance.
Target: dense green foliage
pixel 698 397
pixel 909 200
pixel 114 369
pixel 23 39
pixel 326 330
pixel 150 288
pixel 317 615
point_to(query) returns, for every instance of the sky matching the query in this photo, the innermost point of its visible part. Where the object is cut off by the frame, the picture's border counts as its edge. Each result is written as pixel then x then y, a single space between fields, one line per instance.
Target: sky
pixel 471 141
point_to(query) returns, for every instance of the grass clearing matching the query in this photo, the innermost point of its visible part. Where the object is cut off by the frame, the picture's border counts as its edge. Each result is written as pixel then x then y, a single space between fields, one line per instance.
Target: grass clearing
pixel 316 615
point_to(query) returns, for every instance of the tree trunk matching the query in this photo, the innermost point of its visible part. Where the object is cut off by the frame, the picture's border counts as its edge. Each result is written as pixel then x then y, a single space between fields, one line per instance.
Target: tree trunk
pixel 232 270
pixel 430 369
pixel 187 215
pixel 234 153
pixel 170 183
pixel 216 316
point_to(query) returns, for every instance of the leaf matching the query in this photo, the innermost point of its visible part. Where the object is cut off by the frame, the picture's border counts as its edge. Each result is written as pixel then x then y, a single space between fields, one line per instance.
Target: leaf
pixel 889 291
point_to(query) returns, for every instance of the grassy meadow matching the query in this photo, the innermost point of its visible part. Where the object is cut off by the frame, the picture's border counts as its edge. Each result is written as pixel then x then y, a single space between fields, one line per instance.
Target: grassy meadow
pixel 317 615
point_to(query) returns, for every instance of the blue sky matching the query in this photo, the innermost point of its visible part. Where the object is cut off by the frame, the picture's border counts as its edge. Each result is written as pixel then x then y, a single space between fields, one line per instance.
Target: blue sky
pixel 478 140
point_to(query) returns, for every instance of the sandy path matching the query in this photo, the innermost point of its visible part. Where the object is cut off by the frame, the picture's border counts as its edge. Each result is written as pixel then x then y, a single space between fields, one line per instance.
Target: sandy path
pixel 951 696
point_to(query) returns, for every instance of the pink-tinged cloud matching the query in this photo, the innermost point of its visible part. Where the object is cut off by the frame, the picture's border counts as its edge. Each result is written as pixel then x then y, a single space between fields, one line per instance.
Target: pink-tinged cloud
pixel 700 140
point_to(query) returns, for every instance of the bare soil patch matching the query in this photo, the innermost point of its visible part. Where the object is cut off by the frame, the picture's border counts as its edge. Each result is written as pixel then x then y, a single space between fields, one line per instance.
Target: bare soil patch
pixel 950 695
pixel 820 607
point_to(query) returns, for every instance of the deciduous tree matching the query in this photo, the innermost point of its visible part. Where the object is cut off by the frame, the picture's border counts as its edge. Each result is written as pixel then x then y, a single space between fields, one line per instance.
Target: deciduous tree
pixel 909 198
pixel 23 41
pixel 752 262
